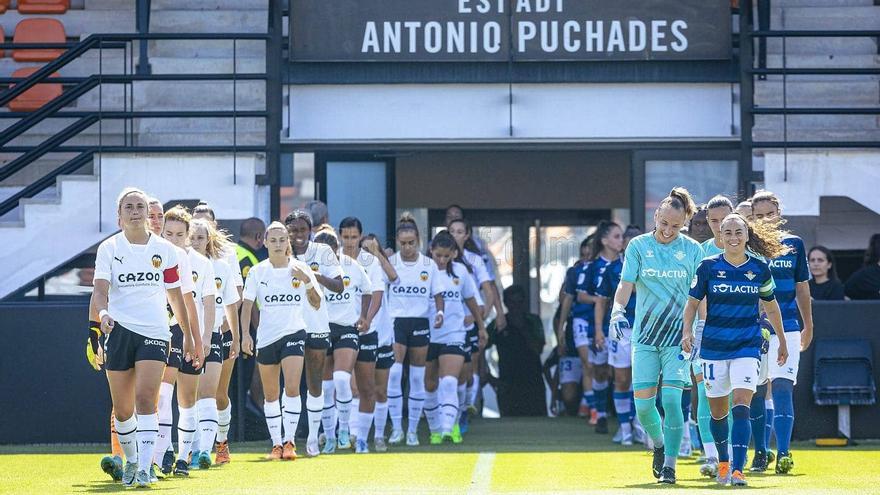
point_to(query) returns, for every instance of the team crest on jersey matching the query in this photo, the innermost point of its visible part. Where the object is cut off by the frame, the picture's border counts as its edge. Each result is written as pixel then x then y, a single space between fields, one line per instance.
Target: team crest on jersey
pixel 314 266
pixel 650 253
pixel 750 275
pixel 424 276
pixel 679 255
pixel 156 260
pixel 295 282
pixel 195 277
pixel 245 271
pixel 346 281
pixel 694 282
pixel 722 274
pixel 218 282
pixel 456 280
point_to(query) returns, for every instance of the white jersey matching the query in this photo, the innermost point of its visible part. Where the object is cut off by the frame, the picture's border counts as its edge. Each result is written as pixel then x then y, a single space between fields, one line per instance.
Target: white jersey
pixel 282 299
pixel 382 322
pixel 186 283
pixel 454 289
pixel 139 275
pixel 345 308
pixel 203 281
pixel 376 274
pixel 231 258
pixel 224 282
pixel 320 259
pixel 479 274
pixel 410 295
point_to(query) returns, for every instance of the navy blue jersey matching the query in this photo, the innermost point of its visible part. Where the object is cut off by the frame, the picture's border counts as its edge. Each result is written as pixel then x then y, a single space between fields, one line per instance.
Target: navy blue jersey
pixel 595 272
pixel 608 286
pixel 788 270
pixel 574 278
pixel 732 327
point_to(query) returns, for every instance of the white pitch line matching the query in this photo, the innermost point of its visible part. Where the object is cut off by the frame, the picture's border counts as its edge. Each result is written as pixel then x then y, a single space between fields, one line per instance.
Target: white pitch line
pixel 481 479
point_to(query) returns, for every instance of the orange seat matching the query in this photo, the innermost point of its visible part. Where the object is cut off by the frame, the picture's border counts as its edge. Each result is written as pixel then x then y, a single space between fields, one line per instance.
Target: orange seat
pixel 43 6
pixel 35 97
pixel 4 5
pixel 38 31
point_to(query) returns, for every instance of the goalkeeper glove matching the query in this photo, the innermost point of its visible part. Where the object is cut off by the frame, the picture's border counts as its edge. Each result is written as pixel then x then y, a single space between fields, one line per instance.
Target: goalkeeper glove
pixel 93 346
pixel 618 323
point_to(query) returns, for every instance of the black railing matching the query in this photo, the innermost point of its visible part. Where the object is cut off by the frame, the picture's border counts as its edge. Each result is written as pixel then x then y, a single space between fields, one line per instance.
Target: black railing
pixel 76 87
pixel 748 109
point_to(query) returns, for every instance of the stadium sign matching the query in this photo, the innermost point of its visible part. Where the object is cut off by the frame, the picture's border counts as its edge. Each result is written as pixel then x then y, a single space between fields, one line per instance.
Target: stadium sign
pixel 508 30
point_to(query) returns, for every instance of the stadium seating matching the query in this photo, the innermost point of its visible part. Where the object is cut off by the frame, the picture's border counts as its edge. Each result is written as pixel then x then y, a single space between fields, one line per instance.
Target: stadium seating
pixel 35 97
pixel 38 30
pixel 43 6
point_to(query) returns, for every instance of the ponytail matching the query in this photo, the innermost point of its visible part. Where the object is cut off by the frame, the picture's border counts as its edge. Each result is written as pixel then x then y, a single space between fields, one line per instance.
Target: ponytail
pixel 407 222
pixel 444 239
pixel 602 230
pixel 680 199
pixel 765 238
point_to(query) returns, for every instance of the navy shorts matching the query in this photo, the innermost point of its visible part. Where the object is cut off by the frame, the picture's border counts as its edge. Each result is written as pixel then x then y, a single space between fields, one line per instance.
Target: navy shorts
pixel 455 349
pixel 384 357
pixel 227 343
pixel 369 345
pixel 342 337
pixel 123 348
pixel 289 345
pixel 412 332
pixel 318 341
pixel 179 360
pixel 216 353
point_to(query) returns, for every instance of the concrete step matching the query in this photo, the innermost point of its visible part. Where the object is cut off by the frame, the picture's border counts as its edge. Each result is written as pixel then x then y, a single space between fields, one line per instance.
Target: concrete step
pixel 201 139
pixel 829 18
pixel 207 48
pixel 823 46
pixel 823 3
pixel 40 168
pixel 187 95
pixel 186 125
pixel 870 135
pixel 80 23
pixel 209 21
pixel 818 94
pixel 842 122
pixel 157 5
pixel 825 61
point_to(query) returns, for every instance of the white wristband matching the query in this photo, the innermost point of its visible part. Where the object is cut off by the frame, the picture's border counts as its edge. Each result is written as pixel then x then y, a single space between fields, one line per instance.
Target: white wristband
pixel 440 312
pixel 102 314
pixel 617 307
pixel 309 285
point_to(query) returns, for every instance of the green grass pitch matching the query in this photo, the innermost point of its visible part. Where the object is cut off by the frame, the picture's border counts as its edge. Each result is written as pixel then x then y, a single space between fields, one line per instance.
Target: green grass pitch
pixel 498 456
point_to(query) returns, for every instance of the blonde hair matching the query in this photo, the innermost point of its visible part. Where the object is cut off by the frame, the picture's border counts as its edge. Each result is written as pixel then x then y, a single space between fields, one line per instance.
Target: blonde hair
pixel 680 199
pixel 217 241
pixel 179 214
pixel 765 238
pixel 279 226
pixel 763 195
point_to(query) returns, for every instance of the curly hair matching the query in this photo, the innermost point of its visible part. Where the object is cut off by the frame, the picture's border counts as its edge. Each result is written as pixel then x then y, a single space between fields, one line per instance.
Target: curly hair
pixel 765 238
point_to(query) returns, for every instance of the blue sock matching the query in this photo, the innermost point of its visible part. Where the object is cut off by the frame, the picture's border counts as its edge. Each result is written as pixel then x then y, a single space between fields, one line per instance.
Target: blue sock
pixel 783 421
pixel 686 404
pixel 600 389
pixel 623 407
pixel 720 431
pixel 742 432
pixel 757 419
pixel 590 399
pixel 768 425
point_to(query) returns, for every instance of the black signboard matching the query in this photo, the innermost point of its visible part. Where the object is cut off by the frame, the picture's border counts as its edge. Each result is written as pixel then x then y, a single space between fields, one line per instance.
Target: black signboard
pixel 502 30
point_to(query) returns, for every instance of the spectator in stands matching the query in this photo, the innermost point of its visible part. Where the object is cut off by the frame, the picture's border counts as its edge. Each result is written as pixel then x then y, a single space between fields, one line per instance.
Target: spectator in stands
pixel 320 215
pixel 520 385
pixel 824 286
pixel 865 283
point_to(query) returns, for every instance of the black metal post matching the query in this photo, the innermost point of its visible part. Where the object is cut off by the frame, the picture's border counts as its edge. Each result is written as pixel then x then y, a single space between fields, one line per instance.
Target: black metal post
pixel 746 97
pixel 274 102
pixel 143 27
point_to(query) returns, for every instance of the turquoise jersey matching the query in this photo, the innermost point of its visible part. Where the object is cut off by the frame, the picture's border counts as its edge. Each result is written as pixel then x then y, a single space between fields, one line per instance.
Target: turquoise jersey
pixel 662 274
pixel 710 249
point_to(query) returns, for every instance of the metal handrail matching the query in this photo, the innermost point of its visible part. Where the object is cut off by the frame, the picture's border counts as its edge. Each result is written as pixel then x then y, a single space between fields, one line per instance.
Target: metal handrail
pixel 43 182
pixel 145 114
pixel 802 33
pixel 57 139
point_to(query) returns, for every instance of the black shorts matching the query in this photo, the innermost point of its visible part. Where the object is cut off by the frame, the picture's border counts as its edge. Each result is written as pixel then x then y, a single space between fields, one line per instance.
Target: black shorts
pixel 175 356
pixel 437 350
pixel 289 345
pixel 412 332
pixel 384 357
pixel 369 345
pixel 342 337
pixel 227 343
pixel 473 339
pixel 123 348
pixel 318 341
pixel 216 353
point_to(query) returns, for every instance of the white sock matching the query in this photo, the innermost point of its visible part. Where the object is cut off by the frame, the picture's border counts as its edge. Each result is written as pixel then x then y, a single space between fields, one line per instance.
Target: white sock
pixel 462 400
pixel 292 412
pixel 432 406
pixel 395 396
pixel 166 421
pixel 626 428
pixel 196 444
pixel 147 430
pixel 186 431
pixel 380 418
pixel 475 390
pixel 224 419
pixel 328 413
pixel 208 421
pixel 364 421
pixel 126 432
pixel 355 402
pixel 416 397
pixel 768 403
pixel 272 411
pixel 342 381
pixel 711 450
pixel 314 406
pixel 448 395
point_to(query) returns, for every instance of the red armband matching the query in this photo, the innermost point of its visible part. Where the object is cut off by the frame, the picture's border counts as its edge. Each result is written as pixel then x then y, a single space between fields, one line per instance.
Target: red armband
pixel 171 275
